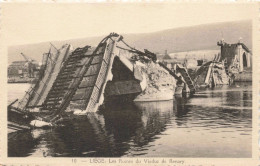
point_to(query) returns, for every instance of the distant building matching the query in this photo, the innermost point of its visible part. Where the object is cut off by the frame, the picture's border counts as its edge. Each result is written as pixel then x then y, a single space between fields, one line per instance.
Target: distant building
pixel 167 60
pixel 163 57
pixel 17 68
pixel 166 56
pixel 23 69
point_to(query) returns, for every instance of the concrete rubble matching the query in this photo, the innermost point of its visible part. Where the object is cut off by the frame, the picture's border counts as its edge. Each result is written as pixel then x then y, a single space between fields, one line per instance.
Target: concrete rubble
pixel 160 84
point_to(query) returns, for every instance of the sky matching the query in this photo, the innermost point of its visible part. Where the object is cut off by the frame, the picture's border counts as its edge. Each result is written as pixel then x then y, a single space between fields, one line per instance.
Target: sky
pixel 26 23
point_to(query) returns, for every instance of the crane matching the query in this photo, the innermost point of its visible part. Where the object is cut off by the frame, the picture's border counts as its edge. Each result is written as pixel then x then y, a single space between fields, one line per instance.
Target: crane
pixel 24 57
pixel 31 66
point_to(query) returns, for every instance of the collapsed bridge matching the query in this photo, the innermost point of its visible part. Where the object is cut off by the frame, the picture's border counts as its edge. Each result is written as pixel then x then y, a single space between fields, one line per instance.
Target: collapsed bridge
pixel 87 77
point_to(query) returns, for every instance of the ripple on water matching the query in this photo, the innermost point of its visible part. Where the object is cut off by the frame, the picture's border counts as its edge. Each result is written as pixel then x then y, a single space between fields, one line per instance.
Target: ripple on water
pixel 201 126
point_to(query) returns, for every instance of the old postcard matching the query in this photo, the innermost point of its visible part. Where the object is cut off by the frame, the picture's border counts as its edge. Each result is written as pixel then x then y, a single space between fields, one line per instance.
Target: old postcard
pixel 159 83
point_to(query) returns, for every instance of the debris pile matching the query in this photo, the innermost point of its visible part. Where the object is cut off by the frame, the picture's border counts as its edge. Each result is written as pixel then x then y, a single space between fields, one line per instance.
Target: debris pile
pixel 211 75
pixel 160 84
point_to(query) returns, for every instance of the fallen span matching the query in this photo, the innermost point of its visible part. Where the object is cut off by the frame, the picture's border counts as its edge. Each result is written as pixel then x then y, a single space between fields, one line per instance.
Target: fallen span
pixel 83 79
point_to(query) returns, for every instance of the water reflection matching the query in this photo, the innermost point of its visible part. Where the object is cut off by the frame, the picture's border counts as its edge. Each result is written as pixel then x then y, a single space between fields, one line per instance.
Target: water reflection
pixel 213 123
pixel 21 144
pixel 180 106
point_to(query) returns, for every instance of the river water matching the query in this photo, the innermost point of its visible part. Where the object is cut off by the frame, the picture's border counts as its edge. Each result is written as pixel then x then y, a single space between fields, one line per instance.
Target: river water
pixel 213 123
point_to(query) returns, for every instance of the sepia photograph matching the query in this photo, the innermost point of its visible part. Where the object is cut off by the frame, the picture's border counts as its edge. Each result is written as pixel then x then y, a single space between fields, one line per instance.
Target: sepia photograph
pixel 129 80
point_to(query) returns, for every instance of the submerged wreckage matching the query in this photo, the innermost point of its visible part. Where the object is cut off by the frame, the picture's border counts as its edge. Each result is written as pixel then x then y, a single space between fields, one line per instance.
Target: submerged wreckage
pixel 82 80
